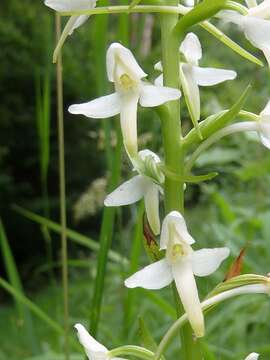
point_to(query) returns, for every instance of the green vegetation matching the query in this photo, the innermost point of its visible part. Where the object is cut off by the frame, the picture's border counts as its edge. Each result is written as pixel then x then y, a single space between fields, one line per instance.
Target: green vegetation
pixel 232 210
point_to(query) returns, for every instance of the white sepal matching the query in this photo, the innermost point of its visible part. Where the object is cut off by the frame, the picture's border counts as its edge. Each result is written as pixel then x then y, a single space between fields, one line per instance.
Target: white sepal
pixel 102 107
pixel 175 219
pixel 191 48
pixel 212 76
pixel 117 55
pixel 206 261
pixel 157 95
pixel 94 350
pixel 129 192
pixel 154 276
pixel 69 5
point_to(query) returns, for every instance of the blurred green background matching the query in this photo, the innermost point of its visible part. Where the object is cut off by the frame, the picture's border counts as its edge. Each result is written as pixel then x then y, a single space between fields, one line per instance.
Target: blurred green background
pixel 231 210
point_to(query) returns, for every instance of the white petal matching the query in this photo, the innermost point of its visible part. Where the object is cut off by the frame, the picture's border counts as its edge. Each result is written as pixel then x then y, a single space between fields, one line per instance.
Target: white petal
pixel 103 107
pixel 159 80
pixel 187 289
pixel 266 110
pixel 151 200
pixel 191 48
pixel 257 31
pixel 146 152
pixel 252 356
pixel 157 95
pixel 191 92
pixel 129 192
pixel 176 219
pixel 154 276
pixel 118 53
pixel 212 76
pixel 207 261
pixel 264 129
pixel 262 10
pixel 70 5
pixel 128 120
pixel 92 347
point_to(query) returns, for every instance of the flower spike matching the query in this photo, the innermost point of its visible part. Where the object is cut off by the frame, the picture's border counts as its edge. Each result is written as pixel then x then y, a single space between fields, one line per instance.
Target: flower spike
pixel 126 74
pixel 180 264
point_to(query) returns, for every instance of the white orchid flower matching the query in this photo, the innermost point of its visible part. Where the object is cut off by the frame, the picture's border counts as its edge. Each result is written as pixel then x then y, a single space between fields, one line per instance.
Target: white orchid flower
pixel 124 71
pixel 192 75
pixel 145 185
pixel 74 22
pixel 255 25
pixel 180 264
pixel 94 350
pixel 263 126
pixel 252 356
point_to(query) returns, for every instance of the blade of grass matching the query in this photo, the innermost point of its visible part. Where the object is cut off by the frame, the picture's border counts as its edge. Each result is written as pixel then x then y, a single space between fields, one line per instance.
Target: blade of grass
pixel 71 234
pixel 113 164
pixel 62 186
pixel 105 240
pixel 15 281
pixel 164 305
pixel 31 306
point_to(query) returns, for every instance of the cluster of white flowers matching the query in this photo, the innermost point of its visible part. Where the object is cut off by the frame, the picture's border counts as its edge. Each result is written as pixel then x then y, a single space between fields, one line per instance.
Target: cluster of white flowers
pixel 181 262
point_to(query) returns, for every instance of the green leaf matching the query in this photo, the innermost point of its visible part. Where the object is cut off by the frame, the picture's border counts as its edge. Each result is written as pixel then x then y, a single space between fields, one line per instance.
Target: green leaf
pixel 188 178
pixel 147 339
pixel 216 122
pixel 203 11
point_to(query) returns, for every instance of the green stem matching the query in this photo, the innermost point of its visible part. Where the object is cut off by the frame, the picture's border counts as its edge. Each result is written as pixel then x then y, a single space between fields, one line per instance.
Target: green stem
pixel 132 350
pixel 171 125
pixel 62 185
pixel 173 151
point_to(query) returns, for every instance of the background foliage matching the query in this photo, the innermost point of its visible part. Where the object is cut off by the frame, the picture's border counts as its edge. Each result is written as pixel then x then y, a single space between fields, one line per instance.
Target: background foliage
pixel 232 210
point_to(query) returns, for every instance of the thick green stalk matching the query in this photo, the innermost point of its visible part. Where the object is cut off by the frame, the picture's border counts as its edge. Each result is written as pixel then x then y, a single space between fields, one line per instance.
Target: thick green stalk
pixel 174 154
pixel 62 186
pixel 171 130
pixel 171 125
